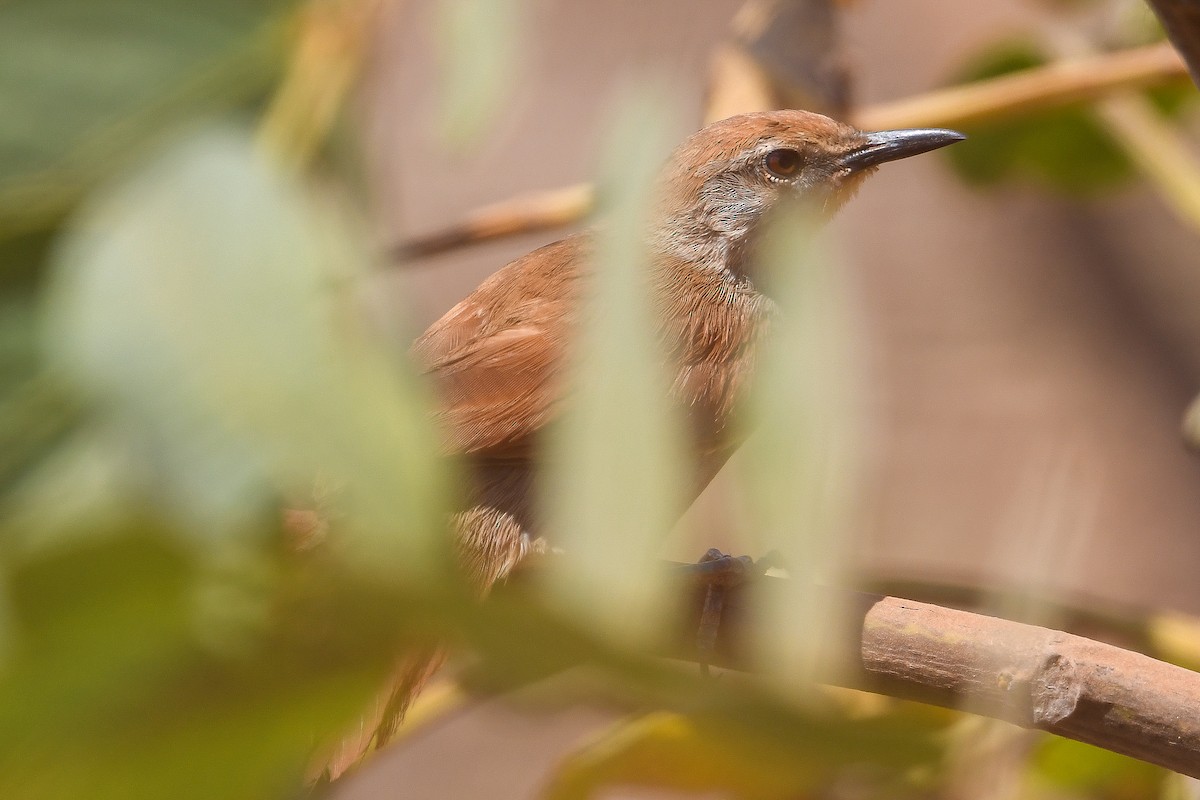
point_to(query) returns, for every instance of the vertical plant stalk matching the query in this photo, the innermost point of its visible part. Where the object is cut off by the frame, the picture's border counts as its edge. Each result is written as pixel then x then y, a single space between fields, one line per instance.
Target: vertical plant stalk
pixel 331 42
pixel 1158 150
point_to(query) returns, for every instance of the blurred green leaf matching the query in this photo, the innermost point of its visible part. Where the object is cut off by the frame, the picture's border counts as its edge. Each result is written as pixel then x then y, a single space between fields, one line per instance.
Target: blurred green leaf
pixel 671 751
pixel 112 687
pixel 798 469
pixel 35 415
pixel 1086 771
pixel 1066 149
pixel 84 82
pixel 36 411
pixel 616 485
pixel 90 618
pixel 202 308
pixel 84 85
pixel 203 303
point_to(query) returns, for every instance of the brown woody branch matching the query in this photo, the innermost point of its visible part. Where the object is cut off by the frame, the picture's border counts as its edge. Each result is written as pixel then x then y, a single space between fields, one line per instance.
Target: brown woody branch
pixel 1034 677
pixel 525 213
pixel 1062 83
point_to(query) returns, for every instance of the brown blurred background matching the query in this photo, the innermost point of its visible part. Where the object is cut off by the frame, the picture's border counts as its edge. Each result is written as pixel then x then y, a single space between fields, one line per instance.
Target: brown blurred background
pixel 1029 357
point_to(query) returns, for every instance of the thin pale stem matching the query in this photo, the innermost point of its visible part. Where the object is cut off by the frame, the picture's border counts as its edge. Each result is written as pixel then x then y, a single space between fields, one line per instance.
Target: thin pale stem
pixel 1157 149
pixel 331 44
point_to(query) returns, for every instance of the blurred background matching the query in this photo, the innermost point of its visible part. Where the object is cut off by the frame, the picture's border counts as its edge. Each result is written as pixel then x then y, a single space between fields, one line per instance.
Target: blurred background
pixel 1025 345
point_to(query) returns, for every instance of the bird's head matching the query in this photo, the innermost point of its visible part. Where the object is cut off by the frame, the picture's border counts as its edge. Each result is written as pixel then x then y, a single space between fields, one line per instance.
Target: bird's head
pixel 719 185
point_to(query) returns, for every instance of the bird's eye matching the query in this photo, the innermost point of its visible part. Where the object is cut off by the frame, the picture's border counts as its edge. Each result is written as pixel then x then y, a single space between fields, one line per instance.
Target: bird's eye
pixel 783 163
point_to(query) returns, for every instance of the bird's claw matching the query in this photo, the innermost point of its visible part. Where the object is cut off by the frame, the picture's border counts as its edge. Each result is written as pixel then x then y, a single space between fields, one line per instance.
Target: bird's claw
pixel 718 573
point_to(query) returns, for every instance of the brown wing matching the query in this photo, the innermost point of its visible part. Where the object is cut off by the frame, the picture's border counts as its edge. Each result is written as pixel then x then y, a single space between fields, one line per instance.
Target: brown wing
pixel 496 356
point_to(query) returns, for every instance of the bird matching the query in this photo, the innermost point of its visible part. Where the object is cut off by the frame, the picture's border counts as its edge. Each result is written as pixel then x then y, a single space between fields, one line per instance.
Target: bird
pixel 496 359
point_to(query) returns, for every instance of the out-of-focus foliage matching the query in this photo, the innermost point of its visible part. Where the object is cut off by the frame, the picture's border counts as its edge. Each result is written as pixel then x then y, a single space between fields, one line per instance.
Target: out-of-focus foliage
pixel 85 83
pixel 112 685
pixel 1064 767
pixel 1065 149
pixel 619 479
pixel 159 637
pixel 695 753
pixel 800 477
pixel 85 87
pixel 163 641
pixel 253 371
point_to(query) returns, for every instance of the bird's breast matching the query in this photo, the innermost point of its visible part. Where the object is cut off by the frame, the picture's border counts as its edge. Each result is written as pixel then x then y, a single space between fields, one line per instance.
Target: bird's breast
pixel 714 324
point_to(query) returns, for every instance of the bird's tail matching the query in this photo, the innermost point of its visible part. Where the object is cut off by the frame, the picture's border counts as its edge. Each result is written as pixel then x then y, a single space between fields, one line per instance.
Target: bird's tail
pixel 380 722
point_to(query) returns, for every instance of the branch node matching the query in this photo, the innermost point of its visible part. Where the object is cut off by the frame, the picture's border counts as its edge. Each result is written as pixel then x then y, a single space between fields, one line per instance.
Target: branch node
pixel 1056 690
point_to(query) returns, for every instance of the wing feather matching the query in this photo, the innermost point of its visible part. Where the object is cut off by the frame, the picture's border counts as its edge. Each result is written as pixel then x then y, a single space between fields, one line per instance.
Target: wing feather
pixel 496 357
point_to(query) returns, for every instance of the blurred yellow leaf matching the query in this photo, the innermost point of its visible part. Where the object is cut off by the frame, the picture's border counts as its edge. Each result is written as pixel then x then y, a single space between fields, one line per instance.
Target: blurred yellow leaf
pixel 1176 638
pixel 670 751
pixel 702 753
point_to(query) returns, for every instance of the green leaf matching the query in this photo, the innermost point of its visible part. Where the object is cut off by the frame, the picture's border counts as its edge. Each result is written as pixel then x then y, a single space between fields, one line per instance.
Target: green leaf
pixel 35 415
pixel 203 304
pixel 1086 771
pixel 85 83
pixel 799 467
pixel 615 487
pixel 112 685
pixel 1065 149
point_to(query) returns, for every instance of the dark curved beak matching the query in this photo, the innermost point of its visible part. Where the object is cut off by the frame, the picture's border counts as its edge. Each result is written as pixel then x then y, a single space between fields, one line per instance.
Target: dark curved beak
pixel 883 146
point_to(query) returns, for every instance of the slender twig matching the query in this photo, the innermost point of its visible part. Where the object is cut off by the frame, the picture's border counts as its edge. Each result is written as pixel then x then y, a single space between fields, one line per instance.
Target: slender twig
pixel 1159 152
pixel 1035 677
pixel 1074 81
pixel 524 213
